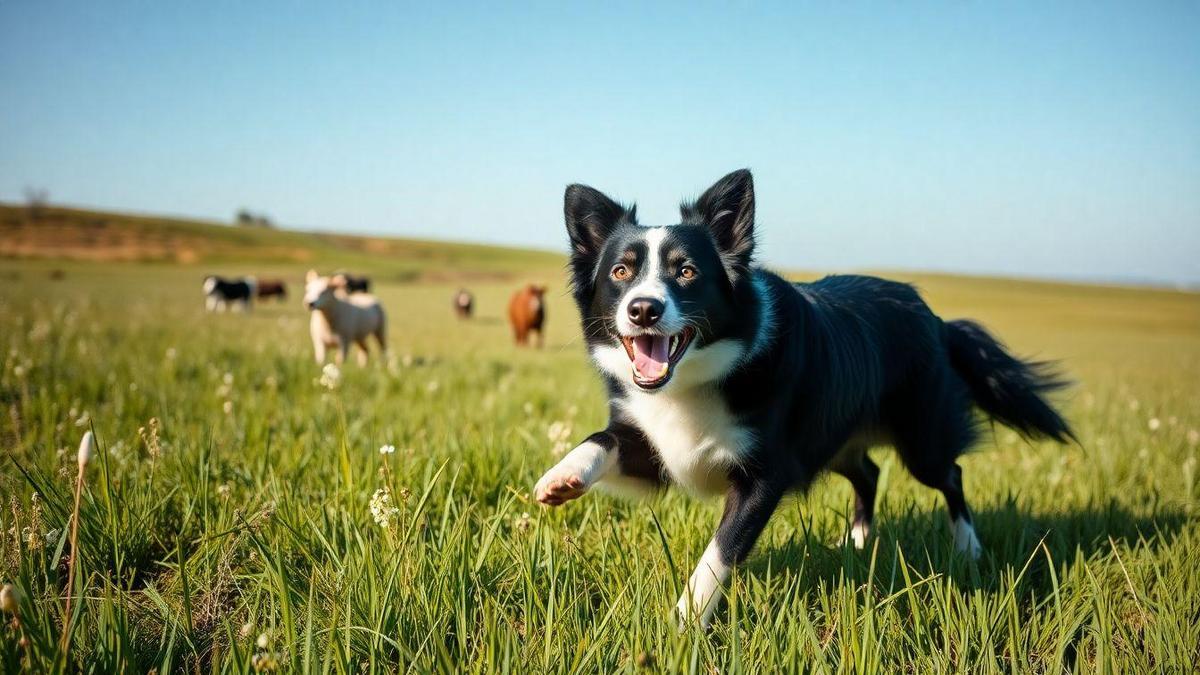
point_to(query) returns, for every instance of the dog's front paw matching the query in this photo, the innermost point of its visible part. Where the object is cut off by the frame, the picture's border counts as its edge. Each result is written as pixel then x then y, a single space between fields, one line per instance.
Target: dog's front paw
pixel 559 486
pixel 856 536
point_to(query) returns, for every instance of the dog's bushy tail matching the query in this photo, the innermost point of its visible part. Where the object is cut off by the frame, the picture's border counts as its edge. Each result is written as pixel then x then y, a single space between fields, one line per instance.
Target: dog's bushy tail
pixel 1008 389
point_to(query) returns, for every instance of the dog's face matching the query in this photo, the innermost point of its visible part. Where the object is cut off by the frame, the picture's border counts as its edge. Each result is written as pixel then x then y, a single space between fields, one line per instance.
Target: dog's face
pixel 210 284
pixel 318 290
pixel 656 301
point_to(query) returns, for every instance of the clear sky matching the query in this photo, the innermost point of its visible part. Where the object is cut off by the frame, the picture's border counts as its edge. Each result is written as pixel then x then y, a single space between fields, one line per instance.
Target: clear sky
pixel 1050 139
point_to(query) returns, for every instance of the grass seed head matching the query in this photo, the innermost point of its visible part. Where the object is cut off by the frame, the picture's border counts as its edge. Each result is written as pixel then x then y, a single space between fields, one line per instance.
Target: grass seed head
pixel 86 448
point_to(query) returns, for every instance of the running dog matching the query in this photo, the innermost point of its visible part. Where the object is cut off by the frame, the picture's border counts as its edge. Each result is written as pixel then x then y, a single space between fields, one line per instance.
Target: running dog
pixel 723 377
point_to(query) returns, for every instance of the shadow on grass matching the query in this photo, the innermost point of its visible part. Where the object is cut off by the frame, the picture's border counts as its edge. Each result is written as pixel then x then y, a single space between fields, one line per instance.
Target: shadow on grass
pixel 1012 538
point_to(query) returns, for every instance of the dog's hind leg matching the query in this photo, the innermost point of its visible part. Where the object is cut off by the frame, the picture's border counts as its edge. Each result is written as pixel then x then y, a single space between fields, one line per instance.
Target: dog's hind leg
pixel 933 425
pixel 962 527
pixel 947 478
pixel 863 474
pixel 363 352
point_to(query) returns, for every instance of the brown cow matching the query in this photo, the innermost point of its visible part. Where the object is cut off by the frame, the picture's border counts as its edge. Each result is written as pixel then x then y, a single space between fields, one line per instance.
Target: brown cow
pixel 527 312
pixel 268 288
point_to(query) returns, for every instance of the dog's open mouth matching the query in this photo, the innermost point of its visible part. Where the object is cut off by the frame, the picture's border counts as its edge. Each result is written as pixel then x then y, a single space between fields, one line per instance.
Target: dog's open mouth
pixel 653 356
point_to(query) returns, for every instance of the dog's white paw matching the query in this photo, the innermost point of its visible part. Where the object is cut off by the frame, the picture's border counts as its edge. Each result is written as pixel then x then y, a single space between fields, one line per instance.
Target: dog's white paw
pixel 856 536
pixel 559 485
pixel 575 474
pixel 965 539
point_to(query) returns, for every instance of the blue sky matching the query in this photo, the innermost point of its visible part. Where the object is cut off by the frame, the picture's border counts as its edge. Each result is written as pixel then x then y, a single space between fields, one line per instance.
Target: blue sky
pixel 1034 139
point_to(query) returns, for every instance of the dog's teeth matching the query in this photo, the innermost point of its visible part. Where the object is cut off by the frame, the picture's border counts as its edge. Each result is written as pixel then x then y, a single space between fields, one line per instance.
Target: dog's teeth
pixel 664 370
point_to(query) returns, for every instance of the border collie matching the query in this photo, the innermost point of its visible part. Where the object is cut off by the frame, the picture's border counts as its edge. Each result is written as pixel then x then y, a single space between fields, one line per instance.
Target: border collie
pixel 220 293
pixel 723 377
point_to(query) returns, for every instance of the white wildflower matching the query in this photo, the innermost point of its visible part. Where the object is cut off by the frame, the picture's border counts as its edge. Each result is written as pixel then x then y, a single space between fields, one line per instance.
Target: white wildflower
pixel 558 431
pixel 432 386
pixel 331 376
pixel 263 641
pixel 228 379
pixel 1193 437
pixel 1154 424
pixel 224 489
pixel 523 522
pixel 247 629
pixel 559 434
pixel 171 353
pixel 381 508
pixel 387 449
pixel 227 406
pixel 528 408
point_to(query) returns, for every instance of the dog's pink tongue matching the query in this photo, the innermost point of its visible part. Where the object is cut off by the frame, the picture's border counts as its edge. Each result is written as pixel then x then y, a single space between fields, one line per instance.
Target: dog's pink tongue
pixel 650 355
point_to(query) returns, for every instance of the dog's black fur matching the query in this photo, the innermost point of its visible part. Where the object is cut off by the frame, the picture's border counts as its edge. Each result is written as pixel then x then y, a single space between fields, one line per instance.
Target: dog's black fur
pixel 826 369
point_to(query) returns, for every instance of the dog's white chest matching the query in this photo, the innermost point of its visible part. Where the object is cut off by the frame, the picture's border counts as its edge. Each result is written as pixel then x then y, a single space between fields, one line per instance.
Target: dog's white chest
pixel 694 433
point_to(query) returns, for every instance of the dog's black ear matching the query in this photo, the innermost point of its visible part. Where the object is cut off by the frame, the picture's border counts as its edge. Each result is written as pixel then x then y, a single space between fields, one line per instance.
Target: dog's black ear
pixel 591 216
pixel 727 210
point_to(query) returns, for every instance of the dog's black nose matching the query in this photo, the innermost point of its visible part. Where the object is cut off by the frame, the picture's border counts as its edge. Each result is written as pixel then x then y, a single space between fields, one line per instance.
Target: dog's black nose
pixel 645 312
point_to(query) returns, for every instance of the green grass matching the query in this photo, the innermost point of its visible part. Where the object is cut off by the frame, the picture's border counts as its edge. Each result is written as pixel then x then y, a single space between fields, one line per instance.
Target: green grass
pixel 256 521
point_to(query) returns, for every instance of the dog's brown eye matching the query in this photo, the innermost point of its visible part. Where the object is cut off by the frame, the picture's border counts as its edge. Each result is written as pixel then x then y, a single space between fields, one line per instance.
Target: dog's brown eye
pixel 687 272
pixel 621 273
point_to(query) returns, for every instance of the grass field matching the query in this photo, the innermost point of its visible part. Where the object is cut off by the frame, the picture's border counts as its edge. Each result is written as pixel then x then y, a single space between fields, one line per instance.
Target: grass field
pixel 227 525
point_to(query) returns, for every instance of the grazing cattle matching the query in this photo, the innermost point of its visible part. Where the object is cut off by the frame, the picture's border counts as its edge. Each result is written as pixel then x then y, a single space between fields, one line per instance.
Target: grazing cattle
pixel 272 288
pixel 339 318
pixel 527 312
pixel 464 303
pixel 352 284
pixel 221 294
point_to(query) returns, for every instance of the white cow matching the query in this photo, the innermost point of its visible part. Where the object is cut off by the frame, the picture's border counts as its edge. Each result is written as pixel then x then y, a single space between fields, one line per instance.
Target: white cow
pixel 339 318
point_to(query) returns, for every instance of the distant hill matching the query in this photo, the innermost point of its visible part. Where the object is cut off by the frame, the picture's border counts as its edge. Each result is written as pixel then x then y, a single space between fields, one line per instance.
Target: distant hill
pixel 60 233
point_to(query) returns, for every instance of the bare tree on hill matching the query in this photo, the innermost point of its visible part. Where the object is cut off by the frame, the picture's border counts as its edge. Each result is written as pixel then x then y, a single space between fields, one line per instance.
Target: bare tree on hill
pixel 36 200
pixel 246 218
